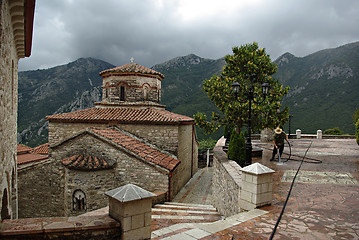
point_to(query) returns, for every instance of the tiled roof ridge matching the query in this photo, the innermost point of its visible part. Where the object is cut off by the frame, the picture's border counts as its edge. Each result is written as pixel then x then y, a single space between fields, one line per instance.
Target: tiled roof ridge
pixel 139 139
pixel 132 68
pixel 86 162
pixel 133 145
pixel 22 148
pixel 42 149
pixel 128 115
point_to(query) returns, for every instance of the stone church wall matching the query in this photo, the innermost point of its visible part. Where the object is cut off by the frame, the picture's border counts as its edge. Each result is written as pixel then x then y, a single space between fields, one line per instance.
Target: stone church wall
pixel 40 191
pixel 187 153
pixel 137 88
pixel 94 183
pixel 8 114
pixel 163 136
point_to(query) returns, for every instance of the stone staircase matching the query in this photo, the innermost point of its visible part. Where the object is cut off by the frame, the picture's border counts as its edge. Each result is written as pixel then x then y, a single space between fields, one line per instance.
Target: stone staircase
pixel 171 213
pixel 185 221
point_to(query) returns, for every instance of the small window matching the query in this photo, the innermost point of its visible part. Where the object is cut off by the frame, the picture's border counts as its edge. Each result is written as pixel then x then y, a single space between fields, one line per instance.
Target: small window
pixel 122 94
pixel 79 201
pixel 106 93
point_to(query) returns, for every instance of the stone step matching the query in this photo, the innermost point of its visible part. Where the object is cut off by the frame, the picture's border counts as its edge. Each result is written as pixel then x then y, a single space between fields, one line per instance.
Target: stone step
pixel 191 230
pixel 184 206
pixel 173 210
pixel 172 213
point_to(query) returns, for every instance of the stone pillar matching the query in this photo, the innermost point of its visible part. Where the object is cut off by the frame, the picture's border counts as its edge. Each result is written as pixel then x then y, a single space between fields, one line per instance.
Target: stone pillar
pixel 319 134
pixel 131 206
pixel 266 135
pixel 256 188
pixel 299 133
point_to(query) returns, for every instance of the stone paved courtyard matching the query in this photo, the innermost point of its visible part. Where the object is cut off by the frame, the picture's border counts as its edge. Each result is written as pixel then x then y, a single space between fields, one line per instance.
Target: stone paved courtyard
pixel 324 202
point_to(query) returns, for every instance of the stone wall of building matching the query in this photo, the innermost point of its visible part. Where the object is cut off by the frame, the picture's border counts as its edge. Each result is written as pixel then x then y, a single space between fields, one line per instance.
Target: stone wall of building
pixel 226 182
pixel 188 154
pixel 136 88
pixel 163 136
pixel 94 183
pixel 8 114
pixel 40 191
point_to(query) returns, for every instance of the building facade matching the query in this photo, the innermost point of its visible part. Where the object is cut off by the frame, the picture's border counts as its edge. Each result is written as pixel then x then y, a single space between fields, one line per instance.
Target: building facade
pixel 16 23
pixel 128 137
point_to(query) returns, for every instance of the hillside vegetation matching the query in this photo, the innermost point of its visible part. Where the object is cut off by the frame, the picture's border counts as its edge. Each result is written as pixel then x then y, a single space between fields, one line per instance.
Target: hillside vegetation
pixel 324 90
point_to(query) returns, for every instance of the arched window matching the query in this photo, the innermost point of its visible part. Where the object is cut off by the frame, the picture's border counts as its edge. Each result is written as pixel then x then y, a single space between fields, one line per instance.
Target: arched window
pixel 79 201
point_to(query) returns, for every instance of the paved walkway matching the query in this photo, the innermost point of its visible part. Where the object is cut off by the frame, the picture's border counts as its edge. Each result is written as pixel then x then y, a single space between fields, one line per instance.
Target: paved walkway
pixel 324 203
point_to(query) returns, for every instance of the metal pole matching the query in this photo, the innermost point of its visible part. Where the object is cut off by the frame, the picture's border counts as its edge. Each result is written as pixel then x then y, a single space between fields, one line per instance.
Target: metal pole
pixel 249 141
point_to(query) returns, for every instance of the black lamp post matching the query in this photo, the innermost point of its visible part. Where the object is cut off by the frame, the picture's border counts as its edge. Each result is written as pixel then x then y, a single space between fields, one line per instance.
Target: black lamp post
pixel 250 96
pixel 290 117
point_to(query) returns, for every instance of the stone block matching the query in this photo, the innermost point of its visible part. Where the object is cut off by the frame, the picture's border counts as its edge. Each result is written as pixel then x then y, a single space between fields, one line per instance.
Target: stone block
pixel 250 187
pixel 139 233
pixel 247 196
pixel 148 219
pixel 138 221
pixel 126 223
pixel 247 205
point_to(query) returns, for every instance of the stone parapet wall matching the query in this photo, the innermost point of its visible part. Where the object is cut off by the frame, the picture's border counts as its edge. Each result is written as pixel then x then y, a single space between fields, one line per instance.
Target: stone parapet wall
pixel 8 113
pixel 99 227
pixel 226 182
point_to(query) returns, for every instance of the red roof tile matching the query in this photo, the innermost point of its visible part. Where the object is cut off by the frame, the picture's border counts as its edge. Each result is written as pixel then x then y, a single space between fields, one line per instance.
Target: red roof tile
pixel 137 147
pixel 132 68
pixel 23 149
pixel 30 158
pixel 42 149
pixel 122 115
pixel 82 162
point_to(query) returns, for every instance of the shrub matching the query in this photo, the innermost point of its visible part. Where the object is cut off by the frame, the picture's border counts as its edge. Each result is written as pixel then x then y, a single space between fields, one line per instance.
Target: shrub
pixel 357 131
pixel 333 131
pixel 237 148
pixel 207 143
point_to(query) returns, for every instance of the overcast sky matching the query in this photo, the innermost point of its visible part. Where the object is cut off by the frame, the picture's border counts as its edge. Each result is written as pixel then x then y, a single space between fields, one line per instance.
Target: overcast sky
pixel 154 31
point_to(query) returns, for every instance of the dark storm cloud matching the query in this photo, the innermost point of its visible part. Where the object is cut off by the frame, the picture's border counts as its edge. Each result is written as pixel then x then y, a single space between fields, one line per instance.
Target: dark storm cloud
pixel 154 31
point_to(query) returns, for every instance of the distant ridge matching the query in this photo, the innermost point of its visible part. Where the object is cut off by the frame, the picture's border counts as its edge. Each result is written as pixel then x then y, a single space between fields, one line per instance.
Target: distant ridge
pixel 324 89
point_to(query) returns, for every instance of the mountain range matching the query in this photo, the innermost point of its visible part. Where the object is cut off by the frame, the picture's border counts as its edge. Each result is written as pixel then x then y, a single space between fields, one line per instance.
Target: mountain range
pixel 324 90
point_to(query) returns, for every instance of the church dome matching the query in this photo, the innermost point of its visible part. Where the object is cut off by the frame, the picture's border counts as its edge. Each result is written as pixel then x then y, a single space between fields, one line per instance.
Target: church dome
pixel 131 68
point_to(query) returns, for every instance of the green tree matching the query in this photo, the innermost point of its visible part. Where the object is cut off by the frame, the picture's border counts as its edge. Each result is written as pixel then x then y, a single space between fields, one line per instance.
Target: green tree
pixel 357 131
pixel 237 148
pixel 249 65
pixel 333 131
pixel 356 116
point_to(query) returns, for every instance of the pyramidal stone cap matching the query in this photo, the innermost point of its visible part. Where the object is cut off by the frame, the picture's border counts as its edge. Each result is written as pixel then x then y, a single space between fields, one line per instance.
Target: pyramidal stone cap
pixel 129 192
pixel 257 168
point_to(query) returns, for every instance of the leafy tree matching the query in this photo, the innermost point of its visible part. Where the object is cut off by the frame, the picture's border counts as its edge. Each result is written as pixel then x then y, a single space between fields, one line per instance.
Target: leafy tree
pixel 207 143
pixel 357 131
pixel 249 65
pixel 356 116
pixel 333 131
pixel 237 148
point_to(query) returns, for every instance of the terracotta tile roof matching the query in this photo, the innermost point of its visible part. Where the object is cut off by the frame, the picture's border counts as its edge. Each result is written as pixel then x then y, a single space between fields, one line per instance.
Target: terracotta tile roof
pixel 42 149
pixel 122 115
pixel 23 149
pixel 30 158
pixel 82 162
pixel 132 68
pixel 137 147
